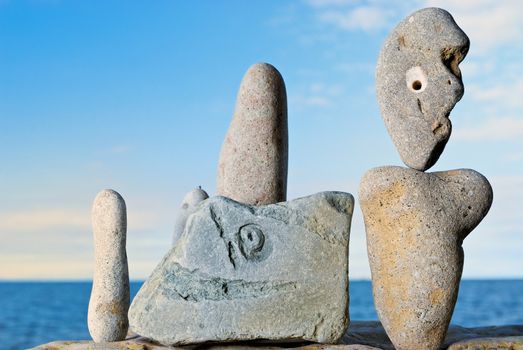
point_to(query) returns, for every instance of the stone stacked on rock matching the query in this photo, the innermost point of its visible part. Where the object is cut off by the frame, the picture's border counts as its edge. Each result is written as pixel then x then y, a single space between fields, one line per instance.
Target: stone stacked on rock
pixel 187 207
pixel 416 222
pixel 253 161
pixel 109 303
pixel 418 83
pixel 241 272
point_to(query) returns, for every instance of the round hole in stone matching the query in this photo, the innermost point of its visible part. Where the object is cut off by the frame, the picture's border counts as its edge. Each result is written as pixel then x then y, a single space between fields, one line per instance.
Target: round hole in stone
pixel 416 79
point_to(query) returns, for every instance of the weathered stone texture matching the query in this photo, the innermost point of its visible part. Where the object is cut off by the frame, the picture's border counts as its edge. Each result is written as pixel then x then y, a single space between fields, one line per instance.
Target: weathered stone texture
pixel 415 224
pixel 242 272
pixel 109 302
pixel 418 83
pixel 253 161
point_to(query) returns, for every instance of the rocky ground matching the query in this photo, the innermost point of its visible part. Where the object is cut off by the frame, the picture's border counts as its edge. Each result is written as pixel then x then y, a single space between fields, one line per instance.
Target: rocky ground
pixel 361 335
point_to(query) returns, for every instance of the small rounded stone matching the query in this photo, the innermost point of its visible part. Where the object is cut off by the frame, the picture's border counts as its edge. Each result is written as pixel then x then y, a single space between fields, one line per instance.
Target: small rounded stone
pixel 109 303
pixel 253 161
pixel 187 207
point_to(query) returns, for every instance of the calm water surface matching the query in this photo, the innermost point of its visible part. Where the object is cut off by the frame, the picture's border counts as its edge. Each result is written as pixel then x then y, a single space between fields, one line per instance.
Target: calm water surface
pixel 33 313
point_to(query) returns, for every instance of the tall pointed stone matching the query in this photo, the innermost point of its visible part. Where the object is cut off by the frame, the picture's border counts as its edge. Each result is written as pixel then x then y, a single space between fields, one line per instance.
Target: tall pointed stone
pixel 253 162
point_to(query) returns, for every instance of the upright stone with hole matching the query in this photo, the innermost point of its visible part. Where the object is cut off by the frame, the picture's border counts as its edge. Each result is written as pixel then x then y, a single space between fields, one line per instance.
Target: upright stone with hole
pixel 253 161
pixel 415 221
pixel 418 83
pixel 240 272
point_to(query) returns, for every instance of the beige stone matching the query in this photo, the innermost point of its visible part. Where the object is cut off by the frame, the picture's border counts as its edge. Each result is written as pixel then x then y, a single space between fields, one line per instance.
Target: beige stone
pixel 109 302
pixel 415 224
pixel 253 161
pixel 508 343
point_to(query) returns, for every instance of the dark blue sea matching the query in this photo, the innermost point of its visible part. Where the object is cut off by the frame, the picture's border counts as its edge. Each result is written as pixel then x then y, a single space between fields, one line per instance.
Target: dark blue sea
pixel 33 313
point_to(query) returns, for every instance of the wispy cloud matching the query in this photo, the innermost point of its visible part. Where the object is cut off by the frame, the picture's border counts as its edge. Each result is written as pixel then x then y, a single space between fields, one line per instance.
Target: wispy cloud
pixel 317 94
pixel 324 3
pixel 120 149
pixel 504 93
pixel 65 219
pixel 493 129
pixel 34 220
pixel 489 23
pixel 364 17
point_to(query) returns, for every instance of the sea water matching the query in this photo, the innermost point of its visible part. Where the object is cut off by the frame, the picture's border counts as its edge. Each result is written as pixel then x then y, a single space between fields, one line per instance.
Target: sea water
pixel 33 313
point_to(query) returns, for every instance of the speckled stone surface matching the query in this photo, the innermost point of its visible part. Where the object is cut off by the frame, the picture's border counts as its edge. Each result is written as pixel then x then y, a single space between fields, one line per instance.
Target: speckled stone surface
pixel 240 272
pixel 253 161
pixel 361 335
pixel 187 207
pixel 109 302
pixel 418 82
pixel 415 224
pixel 507 343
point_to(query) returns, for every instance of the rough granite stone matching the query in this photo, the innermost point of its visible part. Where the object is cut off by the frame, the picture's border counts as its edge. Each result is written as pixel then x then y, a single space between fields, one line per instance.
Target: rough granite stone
pixel 418 83
pixel 107 314
pixel 241 272
pixel 416 223
pixel 253 161
pixel 187 207
pixel 361 335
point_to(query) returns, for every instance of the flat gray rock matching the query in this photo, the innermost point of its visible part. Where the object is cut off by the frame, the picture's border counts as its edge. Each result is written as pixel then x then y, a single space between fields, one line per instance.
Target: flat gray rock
pixel 418 82
pixel 361 335
pixel 416 223
pixel 508 343
pixel 240 272
pixel 253 160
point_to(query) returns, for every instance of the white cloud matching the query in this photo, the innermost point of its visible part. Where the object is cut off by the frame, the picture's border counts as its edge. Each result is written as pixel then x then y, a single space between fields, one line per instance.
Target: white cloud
pixel 317 94
pixel 493 129
pixel 506 94
pixel 120 149
pixel 488 23
pixel 324 3
pixel 34 220
pixel 67 219
pixel 366 18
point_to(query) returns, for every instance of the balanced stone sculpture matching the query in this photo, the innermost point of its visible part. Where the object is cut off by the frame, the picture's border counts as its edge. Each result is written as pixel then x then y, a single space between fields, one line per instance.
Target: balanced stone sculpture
pixel 188 206
pixel 240 272
pixel 416 222
pixel 253 161
pixel 107 314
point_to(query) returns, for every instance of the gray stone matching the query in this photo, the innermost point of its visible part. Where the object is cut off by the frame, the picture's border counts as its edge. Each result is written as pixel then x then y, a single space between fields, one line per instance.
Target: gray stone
pixel 253 161
pixel 416 223
pixel 187 207
pixel 361 335
pixel 418 83
pixel 240 272
pixel 109 302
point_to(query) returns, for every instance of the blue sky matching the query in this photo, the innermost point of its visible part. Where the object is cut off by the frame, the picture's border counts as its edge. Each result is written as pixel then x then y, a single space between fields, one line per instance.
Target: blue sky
pixel 137 96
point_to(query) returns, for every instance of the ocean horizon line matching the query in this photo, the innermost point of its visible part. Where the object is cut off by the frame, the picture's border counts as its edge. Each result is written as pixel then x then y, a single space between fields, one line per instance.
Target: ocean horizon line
pixel 82 280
